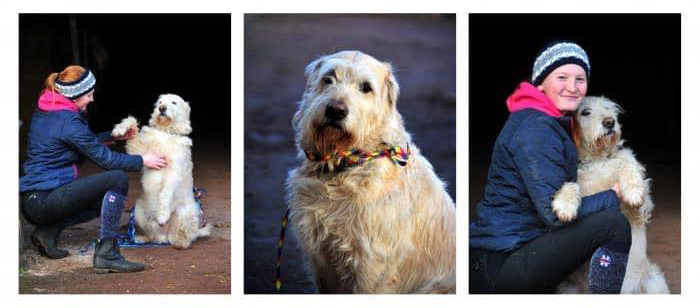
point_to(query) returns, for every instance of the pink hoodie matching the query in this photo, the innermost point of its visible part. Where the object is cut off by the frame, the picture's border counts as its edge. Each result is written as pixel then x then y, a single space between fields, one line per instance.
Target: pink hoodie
pixel 52 101
pixel 528 96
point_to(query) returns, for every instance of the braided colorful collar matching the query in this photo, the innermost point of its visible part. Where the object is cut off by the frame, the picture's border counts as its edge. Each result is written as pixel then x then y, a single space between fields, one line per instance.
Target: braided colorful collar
pixel 353 157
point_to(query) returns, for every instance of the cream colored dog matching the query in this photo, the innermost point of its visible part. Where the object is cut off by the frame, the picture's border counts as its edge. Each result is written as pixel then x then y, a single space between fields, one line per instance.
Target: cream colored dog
pixel 604 162
pixel 372 227
pixel 166 211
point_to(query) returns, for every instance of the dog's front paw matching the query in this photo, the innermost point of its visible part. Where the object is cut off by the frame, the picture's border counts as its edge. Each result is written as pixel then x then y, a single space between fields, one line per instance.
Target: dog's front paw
pixel 141 239
pixel 163 218
pixel 632 195
pixel 122 128
pixel 566 202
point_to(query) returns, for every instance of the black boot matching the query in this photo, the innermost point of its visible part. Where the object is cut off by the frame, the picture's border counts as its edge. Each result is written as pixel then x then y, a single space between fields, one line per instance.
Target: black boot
pixel 108 259
pixel 45 239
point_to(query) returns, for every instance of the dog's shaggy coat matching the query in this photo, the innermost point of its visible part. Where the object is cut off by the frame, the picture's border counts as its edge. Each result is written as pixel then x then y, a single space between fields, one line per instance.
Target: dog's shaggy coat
pixel 604 162
pixel 377 227
pixel 166 211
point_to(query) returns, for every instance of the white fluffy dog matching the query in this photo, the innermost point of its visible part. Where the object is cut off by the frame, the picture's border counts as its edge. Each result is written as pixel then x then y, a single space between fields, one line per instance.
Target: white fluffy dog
pixel 604 162
pixel 369 219
pixel 166 211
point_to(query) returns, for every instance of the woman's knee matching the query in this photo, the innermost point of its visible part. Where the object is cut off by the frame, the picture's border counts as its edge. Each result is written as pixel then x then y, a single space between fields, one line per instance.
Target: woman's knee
pixel 616 224
pixel 120 181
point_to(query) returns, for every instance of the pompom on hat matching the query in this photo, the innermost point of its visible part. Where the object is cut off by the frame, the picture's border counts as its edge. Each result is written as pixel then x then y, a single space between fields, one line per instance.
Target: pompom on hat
pixel 556 55
pixel 74 89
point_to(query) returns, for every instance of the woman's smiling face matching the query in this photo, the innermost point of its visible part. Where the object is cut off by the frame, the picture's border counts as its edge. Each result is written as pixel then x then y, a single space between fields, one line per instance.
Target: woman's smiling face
pixel 565 86
pixel 85 99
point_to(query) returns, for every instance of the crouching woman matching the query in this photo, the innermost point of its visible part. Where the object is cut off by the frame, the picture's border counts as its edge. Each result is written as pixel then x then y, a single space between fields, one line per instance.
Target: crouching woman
pixel 52 195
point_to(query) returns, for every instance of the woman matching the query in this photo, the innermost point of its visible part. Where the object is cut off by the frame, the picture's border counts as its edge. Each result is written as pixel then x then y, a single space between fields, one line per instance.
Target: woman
pixel 517 243
pixel 53 197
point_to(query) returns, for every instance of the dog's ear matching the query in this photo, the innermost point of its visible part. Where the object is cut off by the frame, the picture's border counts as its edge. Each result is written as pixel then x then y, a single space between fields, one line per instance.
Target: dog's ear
pixel 311 72
pixel 391 86
pixel 618 108
pixel 296 118
pixel 576 132
pixel 313 67
pixel 183 127
pixel 615 106
pixel 154 115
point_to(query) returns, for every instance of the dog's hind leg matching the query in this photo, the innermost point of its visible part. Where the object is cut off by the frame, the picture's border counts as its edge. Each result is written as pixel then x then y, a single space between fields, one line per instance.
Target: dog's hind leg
pixel 655 283
pixel 150 228
pixel 637 262
pixel 642 275
pixel 184 227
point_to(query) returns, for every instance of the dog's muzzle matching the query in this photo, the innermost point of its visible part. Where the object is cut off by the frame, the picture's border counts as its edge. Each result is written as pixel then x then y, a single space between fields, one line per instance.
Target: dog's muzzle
pixel 162 110
pixel 609 124
pixel 336 110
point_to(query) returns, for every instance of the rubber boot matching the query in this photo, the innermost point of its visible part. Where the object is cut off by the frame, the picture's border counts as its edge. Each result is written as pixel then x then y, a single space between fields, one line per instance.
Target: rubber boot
pixel 107 258
pixel 45 239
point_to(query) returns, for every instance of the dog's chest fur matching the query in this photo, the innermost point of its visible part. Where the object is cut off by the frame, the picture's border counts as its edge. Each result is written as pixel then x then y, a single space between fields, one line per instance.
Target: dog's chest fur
pixel 348 218
pixel 155 140
pixel 598 175
pixel 602 173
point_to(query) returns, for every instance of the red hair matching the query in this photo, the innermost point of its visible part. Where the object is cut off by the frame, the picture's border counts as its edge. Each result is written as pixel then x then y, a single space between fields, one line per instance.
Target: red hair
pixel 69 74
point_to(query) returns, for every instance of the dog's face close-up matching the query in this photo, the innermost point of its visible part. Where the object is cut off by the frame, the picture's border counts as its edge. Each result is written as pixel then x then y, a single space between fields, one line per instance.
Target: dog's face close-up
pixel 349 101
pixel 597 123
pixel 172 114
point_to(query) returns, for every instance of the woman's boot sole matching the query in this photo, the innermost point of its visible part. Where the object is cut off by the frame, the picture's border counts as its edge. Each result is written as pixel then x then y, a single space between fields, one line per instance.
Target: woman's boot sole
pixel 111 270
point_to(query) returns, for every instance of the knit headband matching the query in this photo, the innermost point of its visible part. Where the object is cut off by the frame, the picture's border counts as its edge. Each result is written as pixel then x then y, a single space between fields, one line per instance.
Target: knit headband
pixel 557 55
pixel 74 89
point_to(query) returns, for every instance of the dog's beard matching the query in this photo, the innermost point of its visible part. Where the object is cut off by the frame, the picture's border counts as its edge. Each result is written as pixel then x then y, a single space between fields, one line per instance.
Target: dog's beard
pixel 603 145
pixel 163 120
pixel 330 138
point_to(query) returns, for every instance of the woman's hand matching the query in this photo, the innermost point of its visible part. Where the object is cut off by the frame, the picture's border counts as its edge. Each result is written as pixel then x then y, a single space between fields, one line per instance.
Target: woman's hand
pixel 154 161
pixel 131 133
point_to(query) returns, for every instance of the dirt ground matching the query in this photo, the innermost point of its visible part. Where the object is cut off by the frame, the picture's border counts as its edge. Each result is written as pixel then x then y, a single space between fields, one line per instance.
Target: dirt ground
pixel 664 232
pixel 277 48
pixel 203 268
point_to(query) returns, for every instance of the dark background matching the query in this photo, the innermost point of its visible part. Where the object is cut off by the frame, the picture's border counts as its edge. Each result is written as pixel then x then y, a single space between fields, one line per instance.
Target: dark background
pixel 135 58
pixel 277 47
pixel 635 61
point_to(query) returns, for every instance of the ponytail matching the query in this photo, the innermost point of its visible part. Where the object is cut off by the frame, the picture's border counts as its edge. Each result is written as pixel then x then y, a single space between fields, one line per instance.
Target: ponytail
pixel 69 74
pixel 49 84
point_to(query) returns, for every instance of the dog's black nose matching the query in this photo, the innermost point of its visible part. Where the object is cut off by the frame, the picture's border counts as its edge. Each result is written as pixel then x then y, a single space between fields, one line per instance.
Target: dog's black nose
pixel 161 109
pixel 336 110
pixel 608 123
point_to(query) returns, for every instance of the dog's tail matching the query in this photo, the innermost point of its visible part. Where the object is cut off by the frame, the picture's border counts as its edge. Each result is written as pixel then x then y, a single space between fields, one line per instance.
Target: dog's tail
pixel 204 231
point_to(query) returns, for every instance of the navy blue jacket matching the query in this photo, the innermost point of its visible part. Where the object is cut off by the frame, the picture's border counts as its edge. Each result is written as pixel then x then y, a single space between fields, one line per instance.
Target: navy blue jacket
pixel 57 142
pixel 532 157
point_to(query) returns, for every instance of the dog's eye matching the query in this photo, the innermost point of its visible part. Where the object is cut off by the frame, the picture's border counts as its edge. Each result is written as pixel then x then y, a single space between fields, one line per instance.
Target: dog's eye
pixel 585 113
pixel 365 87
pixel 174 103
pixel 327 80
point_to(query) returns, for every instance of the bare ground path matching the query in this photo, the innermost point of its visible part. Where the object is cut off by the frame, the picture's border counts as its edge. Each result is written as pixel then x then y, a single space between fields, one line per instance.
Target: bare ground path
pixel 203 268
